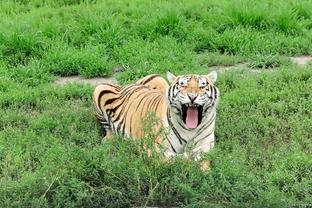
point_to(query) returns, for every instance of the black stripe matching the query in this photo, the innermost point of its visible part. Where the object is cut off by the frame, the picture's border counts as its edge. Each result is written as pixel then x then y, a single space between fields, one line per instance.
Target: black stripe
pixel 122 124
pixel 124 97
pixel 130 131
pixel 174 129
pixel 140 102
pixel 109 101
pixel 144 99
pixel 151 103
pixel 144 103
pixel 171 145
pixel 206 126
pixel 170 93
pixel 134 115
pixel 101 94
pixel 101 116
pixel 202 138
pixel 112 125
pixel 127 92
pixel 182 125
pixel 215 94
pixel 149 79
pixel 111 85
pixel 157 104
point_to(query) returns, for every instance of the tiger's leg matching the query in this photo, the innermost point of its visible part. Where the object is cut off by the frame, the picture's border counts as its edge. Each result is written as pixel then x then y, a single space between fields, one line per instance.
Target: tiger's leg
pixel 154 81
pixel 204 146
pixel 104 96
pixel 108 135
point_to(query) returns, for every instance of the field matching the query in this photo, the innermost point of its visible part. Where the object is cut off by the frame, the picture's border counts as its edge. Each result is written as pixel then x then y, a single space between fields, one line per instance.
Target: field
pixel 50 149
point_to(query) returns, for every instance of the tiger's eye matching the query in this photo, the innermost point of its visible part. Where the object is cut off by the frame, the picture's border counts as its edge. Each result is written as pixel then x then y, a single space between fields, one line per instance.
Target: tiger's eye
pixel 183 82
pixel 202 84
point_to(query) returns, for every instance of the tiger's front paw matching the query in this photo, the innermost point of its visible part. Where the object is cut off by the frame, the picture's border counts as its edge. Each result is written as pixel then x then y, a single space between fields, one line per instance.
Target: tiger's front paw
pixel 205 165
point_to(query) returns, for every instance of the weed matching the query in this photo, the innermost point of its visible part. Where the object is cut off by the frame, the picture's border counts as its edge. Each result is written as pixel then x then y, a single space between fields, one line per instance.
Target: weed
pixel 50 150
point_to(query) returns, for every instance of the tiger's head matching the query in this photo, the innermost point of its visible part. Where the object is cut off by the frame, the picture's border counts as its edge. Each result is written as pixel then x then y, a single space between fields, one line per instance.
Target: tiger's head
pixel 191 96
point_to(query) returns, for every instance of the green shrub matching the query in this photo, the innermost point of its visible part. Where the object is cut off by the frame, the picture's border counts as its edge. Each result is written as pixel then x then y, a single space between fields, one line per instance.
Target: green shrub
pixel 89 62
pixel 50 149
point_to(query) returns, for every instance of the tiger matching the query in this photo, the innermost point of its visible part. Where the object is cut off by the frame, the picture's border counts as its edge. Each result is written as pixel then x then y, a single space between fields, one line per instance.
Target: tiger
pixel 186 109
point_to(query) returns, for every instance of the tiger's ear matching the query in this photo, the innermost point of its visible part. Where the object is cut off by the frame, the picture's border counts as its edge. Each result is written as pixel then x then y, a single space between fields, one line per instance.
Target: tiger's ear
pixel 213 76
pixel 171 77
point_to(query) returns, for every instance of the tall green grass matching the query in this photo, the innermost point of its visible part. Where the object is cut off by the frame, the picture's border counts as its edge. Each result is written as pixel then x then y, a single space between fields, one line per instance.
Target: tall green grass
pixel 51 153
pixel 38 29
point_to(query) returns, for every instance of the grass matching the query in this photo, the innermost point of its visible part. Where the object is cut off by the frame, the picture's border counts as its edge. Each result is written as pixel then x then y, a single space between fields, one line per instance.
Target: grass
pixel 50 149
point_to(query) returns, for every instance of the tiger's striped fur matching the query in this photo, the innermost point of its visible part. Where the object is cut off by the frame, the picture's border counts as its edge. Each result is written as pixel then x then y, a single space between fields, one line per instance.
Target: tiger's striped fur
pixel 120 110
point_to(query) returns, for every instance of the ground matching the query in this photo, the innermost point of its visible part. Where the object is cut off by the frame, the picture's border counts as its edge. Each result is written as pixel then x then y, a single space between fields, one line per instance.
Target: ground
pixel 51 153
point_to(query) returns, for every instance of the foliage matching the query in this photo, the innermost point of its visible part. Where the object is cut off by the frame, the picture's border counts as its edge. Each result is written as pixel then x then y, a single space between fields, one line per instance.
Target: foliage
pixel 50 149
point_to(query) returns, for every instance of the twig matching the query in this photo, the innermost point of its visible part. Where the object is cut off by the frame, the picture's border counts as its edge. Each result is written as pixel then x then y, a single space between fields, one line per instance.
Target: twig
pixel 150 194
pixel 48 189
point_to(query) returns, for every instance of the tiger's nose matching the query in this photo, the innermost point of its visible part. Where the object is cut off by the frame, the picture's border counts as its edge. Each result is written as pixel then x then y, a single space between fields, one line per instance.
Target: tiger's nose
pixel 192 96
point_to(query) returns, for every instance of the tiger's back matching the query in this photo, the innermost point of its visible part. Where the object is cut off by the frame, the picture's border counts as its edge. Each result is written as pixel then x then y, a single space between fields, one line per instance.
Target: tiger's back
pixel 120 110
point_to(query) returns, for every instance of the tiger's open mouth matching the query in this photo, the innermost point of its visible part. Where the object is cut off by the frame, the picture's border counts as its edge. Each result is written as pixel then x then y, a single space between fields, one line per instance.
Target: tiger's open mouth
pixel 192 115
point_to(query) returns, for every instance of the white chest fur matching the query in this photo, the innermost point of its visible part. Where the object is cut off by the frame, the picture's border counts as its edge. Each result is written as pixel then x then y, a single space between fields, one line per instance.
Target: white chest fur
pixel 192 142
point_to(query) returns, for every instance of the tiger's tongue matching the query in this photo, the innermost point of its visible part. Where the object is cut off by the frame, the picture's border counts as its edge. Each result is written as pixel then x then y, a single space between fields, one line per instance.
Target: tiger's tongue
pixel 191 117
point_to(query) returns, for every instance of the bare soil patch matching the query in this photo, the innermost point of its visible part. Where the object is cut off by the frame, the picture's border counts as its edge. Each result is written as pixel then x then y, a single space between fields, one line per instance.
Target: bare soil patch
pixel 77 79
pixel 222 69
pixel 301 60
